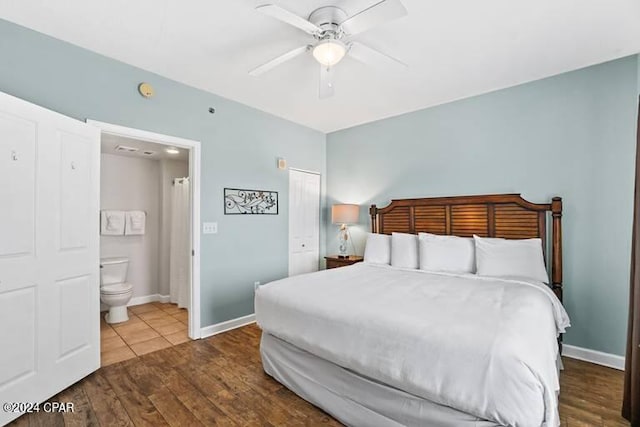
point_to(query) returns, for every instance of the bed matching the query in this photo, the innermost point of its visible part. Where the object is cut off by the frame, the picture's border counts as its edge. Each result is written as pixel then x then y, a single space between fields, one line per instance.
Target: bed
pixel 375 345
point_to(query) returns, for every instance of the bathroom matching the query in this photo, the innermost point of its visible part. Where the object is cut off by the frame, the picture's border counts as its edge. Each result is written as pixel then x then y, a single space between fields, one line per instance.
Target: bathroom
pixel 144 247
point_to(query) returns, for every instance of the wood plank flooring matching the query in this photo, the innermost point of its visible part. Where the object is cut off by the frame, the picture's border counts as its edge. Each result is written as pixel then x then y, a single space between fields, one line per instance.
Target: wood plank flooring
pixel 219 382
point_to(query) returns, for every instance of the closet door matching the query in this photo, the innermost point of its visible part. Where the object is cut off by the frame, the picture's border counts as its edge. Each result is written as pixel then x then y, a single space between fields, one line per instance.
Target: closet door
pixel 49 256
pixel 304 222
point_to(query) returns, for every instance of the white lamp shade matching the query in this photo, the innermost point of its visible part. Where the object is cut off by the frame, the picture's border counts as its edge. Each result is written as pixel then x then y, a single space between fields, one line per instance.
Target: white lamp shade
pixel 345 214
pixel 329 52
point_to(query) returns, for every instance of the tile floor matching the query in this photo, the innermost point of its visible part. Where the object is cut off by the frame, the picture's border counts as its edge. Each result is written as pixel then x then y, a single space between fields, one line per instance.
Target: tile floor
pixel 150 327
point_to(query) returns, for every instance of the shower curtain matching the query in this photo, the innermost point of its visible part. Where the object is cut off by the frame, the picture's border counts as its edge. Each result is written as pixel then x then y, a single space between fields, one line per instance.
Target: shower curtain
pixel 180 244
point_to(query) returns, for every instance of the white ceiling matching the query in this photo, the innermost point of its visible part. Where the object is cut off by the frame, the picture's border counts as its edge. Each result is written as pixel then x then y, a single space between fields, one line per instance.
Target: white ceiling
pixel 454 48
pixel 109 142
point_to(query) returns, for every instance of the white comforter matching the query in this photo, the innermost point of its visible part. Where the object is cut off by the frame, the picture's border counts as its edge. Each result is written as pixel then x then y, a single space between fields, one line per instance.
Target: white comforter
pixel 484 346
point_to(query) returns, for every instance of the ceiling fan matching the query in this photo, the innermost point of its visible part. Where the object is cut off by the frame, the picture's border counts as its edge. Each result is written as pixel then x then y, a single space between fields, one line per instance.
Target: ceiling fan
pixel 331 28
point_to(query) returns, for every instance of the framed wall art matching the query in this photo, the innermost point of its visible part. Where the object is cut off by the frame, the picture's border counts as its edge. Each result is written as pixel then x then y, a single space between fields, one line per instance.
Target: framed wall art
pixel 250 202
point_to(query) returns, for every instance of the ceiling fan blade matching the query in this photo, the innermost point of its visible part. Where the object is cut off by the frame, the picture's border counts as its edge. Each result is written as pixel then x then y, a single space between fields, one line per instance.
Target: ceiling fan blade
pixel 277 61
pixel 326 82
pixel 290 18
pixel 379 13
pixel 370 56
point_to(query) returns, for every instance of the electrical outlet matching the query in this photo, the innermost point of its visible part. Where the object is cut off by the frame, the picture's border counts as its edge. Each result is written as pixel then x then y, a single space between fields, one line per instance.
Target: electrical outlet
pixel 256 285
pixel 209 228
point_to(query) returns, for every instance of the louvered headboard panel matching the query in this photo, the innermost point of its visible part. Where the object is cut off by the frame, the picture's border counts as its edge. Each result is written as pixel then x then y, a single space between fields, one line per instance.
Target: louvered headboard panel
pixel 497 215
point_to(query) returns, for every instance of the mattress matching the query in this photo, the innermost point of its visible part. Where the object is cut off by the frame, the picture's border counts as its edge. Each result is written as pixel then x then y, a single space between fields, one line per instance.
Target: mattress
pixel 482 346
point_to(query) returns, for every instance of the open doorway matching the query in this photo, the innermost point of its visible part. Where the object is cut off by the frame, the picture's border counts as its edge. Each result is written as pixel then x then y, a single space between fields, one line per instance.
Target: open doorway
pixel 149 196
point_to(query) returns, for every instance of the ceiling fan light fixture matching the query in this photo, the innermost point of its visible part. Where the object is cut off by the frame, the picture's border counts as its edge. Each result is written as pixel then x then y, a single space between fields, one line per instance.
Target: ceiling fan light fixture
pixel 329 52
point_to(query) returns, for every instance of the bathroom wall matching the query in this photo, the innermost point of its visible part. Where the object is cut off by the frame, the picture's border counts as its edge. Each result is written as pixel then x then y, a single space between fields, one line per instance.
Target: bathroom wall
pixel 169 169
pixel 128 183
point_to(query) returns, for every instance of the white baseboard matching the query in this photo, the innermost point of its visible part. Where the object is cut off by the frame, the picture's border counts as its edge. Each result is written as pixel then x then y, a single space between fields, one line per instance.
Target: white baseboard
pixel 218 328
pixel 147 299
pixel 605 359
pixel 141 300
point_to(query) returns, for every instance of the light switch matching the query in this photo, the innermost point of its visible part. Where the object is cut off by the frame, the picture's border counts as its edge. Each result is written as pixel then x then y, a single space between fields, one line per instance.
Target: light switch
pixel 209 228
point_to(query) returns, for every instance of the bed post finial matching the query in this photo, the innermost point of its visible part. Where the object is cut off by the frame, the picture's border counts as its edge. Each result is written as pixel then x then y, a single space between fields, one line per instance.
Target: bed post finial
pixel 373 211
pixel 556 264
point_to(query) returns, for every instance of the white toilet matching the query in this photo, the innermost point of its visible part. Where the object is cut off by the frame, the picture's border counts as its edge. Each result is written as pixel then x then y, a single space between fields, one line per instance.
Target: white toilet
pixel 114 291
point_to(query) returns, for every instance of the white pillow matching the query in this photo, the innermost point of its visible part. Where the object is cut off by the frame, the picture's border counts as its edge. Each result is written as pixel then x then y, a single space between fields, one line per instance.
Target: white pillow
pixel 378 249
pixel 510 258
pixel 404 250
pixel 450 254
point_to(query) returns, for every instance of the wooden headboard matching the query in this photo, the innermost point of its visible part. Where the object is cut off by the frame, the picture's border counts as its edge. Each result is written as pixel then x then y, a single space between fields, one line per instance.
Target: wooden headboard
pixel 496 215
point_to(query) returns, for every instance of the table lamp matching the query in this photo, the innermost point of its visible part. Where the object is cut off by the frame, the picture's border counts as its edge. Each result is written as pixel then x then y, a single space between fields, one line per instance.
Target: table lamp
pixel 344 214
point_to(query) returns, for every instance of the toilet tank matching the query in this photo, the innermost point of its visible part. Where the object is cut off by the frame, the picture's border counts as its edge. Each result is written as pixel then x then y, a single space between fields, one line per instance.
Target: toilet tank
pixel 113 270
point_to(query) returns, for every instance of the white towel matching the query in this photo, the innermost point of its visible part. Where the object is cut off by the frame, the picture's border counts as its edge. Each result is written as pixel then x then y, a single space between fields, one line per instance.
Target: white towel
pixel 112 223
pixel 135 223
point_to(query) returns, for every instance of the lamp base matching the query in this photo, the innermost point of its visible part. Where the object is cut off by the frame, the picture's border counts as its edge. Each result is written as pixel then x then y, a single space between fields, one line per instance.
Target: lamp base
pixel 343 244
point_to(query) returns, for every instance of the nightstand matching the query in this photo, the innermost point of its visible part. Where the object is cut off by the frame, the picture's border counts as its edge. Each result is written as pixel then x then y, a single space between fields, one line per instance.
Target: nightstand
pixel 334 261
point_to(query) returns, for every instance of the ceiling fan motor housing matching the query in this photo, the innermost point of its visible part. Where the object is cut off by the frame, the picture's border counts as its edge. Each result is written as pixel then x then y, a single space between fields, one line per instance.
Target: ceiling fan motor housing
pixel 328 18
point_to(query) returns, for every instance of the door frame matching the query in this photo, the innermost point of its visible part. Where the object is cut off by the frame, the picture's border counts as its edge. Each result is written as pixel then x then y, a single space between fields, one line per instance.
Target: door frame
pixel 194 180
pixel 289 216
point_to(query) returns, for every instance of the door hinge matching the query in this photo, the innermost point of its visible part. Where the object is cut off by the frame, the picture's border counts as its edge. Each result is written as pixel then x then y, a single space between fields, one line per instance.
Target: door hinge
pixel 193 252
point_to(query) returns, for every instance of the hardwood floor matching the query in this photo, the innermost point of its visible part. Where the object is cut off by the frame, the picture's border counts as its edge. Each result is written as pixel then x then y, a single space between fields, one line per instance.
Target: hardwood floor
pixel 590 395
pixel 219 382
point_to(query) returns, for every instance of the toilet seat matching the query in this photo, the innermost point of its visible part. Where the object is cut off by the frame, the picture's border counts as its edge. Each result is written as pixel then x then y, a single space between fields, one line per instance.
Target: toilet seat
pixel 116 289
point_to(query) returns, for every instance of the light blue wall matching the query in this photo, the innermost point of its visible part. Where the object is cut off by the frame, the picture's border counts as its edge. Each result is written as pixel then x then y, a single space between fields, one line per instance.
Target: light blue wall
pixel 571 135
pixel 239 149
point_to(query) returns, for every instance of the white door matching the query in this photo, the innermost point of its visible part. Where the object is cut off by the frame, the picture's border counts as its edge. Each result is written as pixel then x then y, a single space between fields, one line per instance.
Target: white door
pixel 49 284
pixel 304 222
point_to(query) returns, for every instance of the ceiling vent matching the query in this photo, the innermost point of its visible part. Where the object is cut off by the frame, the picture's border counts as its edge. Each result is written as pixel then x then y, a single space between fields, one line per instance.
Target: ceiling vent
pixel 125 149
pixel 148 153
